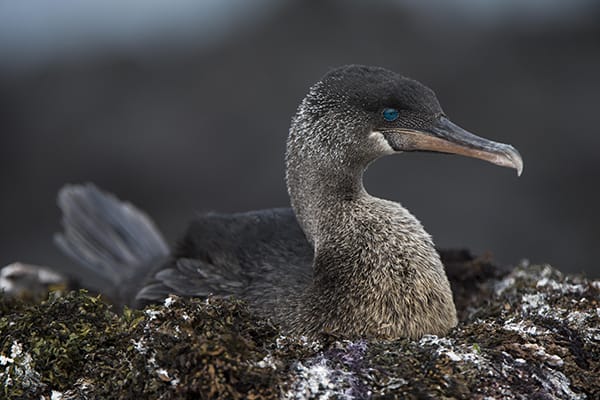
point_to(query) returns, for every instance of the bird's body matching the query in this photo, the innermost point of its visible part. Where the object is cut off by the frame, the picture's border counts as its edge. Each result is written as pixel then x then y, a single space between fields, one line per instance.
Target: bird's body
pixel 343 261
pixel 376 274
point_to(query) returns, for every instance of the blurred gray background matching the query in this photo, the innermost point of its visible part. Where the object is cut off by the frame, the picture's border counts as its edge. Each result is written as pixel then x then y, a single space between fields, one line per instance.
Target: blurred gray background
pixel 184 106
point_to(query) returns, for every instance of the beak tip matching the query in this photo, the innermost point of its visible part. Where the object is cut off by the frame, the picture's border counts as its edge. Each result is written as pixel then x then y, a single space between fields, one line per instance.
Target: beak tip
pixel 518 165
pixel 517 160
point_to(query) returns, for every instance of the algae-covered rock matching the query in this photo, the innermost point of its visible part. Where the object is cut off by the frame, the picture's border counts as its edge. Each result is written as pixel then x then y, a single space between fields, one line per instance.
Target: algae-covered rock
pixel 529 332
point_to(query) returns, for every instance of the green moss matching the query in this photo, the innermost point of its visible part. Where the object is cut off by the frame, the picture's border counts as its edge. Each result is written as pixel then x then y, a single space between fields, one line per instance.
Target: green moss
pixel 191 349
pixel 59 334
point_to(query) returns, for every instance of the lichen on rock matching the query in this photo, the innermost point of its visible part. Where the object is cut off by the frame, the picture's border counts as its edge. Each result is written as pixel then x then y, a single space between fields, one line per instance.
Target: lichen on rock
pixel 527 332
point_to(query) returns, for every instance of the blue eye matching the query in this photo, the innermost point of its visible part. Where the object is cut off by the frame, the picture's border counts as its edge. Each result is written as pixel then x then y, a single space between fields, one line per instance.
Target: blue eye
pixel 390 114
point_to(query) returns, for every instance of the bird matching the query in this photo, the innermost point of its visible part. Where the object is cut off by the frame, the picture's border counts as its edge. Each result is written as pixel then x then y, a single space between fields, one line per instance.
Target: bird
pixel 339 261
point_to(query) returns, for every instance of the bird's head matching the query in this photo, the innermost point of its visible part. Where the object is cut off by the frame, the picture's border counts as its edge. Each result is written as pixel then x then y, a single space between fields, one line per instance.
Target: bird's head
pixel 357 114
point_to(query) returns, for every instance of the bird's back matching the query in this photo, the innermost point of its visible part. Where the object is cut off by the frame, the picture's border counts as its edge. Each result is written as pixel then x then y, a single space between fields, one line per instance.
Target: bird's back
pixel 260 256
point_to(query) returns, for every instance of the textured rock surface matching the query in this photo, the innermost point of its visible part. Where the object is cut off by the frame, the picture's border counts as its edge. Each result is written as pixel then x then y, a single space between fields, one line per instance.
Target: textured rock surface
pixel 529 332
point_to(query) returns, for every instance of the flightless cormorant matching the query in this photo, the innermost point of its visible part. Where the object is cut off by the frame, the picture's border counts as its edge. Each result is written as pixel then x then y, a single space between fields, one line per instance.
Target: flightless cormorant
pixel 340 260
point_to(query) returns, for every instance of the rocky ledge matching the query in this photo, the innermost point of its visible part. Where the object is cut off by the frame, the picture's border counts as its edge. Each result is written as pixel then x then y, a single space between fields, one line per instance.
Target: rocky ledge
pixel 525 333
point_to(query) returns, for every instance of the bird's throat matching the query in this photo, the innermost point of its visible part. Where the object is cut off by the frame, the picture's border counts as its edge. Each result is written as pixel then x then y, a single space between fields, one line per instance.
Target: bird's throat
pixel 317 193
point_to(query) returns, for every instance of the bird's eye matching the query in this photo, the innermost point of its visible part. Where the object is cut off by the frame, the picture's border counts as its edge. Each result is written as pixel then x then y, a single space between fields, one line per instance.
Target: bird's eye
pixel 390 114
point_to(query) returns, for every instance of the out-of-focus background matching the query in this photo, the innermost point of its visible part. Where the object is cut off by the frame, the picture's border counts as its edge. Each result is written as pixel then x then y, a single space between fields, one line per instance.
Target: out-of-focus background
pixel 184 106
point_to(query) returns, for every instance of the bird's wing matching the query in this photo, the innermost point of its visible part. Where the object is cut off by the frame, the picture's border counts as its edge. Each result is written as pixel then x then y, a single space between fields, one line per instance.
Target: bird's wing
pixel 249 255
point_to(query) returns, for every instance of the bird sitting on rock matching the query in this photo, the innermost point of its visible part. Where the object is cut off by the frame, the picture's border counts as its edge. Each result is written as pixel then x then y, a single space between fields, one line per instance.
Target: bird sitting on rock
pixel 339 261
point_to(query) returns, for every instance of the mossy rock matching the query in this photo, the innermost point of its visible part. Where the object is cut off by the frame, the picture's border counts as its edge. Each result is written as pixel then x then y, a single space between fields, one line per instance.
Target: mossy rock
pixel 529 332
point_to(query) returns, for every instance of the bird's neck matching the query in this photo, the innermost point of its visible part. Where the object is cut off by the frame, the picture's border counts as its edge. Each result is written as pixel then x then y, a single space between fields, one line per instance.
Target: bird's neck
pixel 369 256
pixel 317 189
pixel 375 270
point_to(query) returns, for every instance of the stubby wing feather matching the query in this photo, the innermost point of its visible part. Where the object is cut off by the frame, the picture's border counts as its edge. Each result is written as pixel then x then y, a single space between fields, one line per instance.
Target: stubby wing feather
pixel 254 255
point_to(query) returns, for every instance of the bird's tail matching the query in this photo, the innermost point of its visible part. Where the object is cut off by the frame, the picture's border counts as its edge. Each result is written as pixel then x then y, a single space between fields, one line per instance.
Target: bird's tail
pixel 113 241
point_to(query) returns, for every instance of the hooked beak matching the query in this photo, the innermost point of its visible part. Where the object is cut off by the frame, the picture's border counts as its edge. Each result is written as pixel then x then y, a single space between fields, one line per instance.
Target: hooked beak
pixel 447 137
